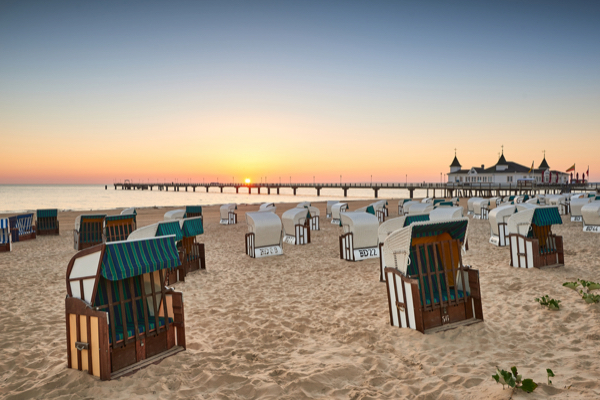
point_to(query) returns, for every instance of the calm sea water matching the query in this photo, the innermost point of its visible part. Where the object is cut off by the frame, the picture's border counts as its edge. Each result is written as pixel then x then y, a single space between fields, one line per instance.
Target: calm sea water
pixel 18 198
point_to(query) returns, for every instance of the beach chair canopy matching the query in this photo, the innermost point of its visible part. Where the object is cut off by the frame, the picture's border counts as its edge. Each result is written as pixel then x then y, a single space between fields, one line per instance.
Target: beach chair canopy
pixel 192 211
pixel 165 228
pixel 130 210
pixel 471 202
pixel 591 213
pixel 330 204
pixel 521 222
pixel 303 204
pixel 525 206
pixel 445 204
pixel 403 201
pixel 427 200
pixel 191 227
pixel 50 213
pixel 266 227
pixel 225 209
pixel 399 250
pixel 269 207
pixel 445 213
pixel 500 215
pixel 337 209
pixel 577 204
pixel 479 204
pixel 379 205
pixel 174 215
pixel 366 209
pixel 364 228
pixel 4 231
pixel 556 199
pixel 420 208
pixel 293 217
pixel 534 200
pixel 577 196
pixel 314 211
pixel 86 219
pixel 121 221
pixel 393 224
pixel 406 206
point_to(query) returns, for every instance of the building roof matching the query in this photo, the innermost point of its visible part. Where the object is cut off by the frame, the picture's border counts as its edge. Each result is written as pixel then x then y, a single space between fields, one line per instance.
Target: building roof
pixel 455 163
pixel 502 160
pixel 544 164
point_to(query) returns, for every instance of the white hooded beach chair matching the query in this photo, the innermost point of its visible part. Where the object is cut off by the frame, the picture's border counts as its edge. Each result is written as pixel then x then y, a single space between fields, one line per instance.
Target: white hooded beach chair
pixel 532 243
pixel 265 233
pixel 303 204
pixel 228 215
pixel 174 215
pixel 336 211
pixel 498 224
pixel 129 211
pixel 314 220
pixel 389 226
pixel 330 204
pixel 381 210
pixel 576 205
pixel 481 209
pixel 590 213
pixel 267 207
pixel 470 204
pixel 533 200
pixel 406 206
pixel 5 235
pixel 359 240
pixel 401 203
pixel 428 287
pixel 561 201
pixel 420 208
pixel 427 200
pixel 296 226
pixel 446 213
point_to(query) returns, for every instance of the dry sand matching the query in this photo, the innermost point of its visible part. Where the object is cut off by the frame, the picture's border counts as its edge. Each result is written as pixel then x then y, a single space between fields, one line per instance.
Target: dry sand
pixel 309 325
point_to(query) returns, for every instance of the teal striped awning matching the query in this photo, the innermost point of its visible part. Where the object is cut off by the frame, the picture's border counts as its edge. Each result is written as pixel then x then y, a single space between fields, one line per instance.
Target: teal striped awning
pixel 169 228
pixel 98 216
pixel 445 203
pixel 192 210
pixel 371 210
pixel 415 218
pixel 127 259
pixel 545 216
pixel 47 213
pixel 192 227
pixel 435 201
pixel 119 217
pixel 457 229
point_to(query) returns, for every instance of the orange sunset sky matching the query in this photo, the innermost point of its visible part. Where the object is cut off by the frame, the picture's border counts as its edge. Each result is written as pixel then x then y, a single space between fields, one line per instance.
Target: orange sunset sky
pixel 94 92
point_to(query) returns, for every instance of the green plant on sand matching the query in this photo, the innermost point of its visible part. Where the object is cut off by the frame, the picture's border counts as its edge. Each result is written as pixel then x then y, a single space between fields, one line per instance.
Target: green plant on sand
pixel 514 380
pixel 550 375
pixel 587 296
pixel 546 301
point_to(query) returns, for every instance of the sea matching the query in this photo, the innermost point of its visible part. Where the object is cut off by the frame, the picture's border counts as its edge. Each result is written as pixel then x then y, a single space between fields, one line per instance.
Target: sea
pixel 21 198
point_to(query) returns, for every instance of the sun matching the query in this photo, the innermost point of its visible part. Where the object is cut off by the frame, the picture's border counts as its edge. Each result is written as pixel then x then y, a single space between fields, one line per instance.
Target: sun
pixel 247 180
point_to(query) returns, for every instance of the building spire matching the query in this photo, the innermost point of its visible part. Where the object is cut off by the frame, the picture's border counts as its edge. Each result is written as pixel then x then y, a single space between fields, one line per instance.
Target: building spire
pixel 544 164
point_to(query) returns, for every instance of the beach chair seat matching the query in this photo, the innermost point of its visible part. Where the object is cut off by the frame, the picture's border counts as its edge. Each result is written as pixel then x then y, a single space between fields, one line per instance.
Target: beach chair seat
pixel 428 287
pixel 47 222
pixel 120 314
pixel 118 227
pixel 5 235
pixel 22 227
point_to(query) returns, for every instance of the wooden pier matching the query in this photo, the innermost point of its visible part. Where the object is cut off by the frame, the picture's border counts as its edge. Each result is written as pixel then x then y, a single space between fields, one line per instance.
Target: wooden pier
pixel 445 190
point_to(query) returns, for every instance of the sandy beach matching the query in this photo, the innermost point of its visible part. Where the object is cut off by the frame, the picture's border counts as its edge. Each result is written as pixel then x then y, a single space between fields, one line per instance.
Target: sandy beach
pixel 309 325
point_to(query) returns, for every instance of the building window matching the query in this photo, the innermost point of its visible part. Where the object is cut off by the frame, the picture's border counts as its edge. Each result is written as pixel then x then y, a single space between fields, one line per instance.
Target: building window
pixel 509 179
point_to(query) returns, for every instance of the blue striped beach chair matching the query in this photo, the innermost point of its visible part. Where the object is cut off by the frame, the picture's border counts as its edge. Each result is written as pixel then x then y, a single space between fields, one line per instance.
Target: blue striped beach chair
pixel 5 236
pixel 47 222
pixel 120 316
pixel 22 227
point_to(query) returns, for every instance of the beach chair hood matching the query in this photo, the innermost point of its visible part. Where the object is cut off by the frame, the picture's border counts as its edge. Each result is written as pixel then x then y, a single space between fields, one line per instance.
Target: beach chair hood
pixel 445 213
pixel 520 223
pixel 364 227
pixel 266 226
pixel 225 209
pixel 165 228
pixel 191 227
pixel 420 208
pixel 591 213
pixel 174 215
pixel 337 209
pixel 577 204
pixel 293 217
pixel 499 215
pixel 268 207
pixel 471 202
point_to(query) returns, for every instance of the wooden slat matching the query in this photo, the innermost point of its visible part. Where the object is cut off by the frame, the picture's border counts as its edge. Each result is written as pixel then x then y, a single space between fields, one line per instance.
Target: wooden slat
pixel 134 308
pixel 123 312
pixel 164 298
pixel 111 312
pixel 145 305
pixel 154 303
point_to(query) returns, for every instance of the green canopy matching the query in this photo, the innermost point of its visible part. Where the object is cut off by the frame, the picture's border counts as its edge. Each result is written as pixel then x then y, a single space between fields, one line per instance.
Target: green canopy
pixel 545 216
pixel 371 210
pixel 192 227
pixel 169 228
pixel 415 218
pixel 192 210
pixel 457 229
pixel 47 213
pixel 132 258
pixel 119 217
pixel 435 201
pixel 445 203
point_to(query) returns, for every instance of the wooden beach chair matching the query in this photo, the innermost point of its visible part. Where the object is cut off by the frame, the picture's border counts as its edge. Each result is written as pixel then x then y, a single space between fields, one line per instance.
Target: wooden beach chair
pixel 47 222
pixel 193 252
pixel 336 211
pixel 532 243
pixel 401 203
pixel 120 316
pixel 193 211
pixel 470 204
pixel 228 215
pixel 360 239
pixel 429 289
pixel 330 204
pixel 481 209
pixel 5 235
pixel 165 228
pixel 314 218
pixel 561 201
pixel 381 210
pixel 590 214
pixel 118 227
pixel 296 228
pixel 419 208
pixel 88 231
pixel 22 227
pixel 174 215
pixel 498 224
pixel 576 205
pixel 265 233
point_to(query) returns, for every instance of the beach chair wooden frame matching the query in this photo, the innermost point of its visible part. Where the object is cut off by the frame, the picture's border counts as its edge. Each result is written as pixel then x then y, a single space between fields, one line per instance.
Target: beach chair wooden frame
pixel 532 243
pixel 47 222
pixel 22 227
pixel 260 225
pixel 296 220
pixel 88 231
pixel 5 235
pixel 194 256
pixel 428 287
pixel 360 239
pixel 118 227
pixel 117 324
pixel 500 217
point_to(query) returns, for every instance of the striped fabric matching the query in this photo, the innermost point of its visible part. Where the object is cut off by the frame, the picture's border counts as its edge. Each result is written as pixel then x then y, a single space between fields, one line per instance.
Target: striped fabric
pixel 445 204
pixel 415 218
pixel 118 217
pixel 546 216
pixel 169 228
pixel 371 210
pixel 193 211
pixel 456 229
pixel 192 227
pixel 47 213
pixel 24 224
pixel 436 201
pixel 4 231
pixel 126 259
pixel 90 228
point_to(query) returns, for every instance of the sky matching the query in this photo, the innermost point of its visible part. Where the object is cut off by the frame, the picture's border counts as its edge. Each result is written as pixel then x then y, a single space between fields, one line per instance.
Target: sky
pixel 96 92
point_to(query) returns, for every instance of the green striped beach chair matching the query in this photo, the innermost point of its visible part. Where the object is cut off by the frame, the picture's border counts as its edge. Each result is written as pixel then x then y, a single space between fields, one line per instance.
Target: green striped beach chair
pixel 47 222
